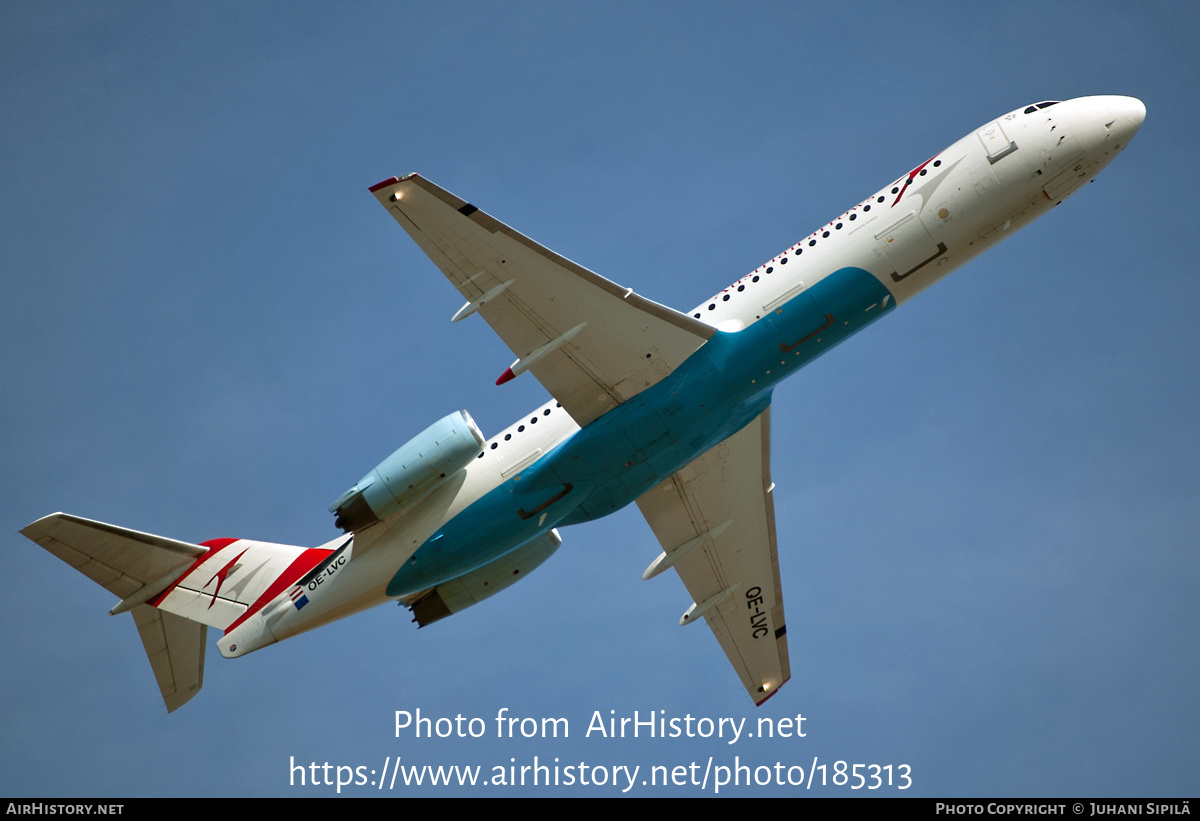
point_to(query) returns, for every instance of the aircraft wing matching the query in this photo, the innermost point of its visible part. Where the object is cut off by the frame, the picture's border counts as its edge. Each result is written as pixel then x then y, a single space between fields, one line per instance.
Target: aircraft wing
pixel 592 343
pixel 715 520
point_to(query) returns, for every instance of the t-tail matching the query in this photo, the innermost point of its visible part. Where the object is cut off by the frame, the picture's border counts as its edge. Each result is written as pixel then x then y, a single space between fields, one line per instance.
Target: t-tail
pixel 177 590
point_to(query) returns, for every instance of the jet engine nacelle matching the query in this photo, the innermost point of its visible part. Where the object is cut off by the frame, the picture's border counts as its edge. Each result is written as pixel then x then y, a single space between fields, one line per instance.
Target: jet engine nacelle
pixel 471 588
pixel 414 470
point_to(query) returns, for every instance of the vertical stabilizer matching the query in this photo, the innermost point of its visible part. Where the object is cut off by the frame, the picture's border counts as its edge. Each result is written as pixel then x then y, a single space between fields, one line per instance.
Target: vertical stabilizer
pixel 175 590
pixel 175 647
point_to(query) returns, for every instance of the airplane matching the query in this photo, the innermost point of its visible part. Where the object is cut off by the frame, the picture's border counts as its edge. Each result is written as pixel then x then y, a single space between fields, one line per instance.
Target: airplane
pixel 669 410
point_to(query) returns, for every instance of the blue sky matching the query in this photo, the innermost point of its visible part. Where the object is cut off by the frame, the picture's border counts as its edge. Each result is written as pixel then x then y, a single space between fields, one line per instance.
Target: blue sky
pixel 987 503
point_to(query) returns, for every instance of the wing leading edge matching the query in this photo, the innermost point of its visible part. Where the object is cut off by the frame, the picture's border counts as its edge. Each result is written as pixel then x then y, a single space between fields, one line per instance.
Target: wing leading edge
pixel 715 520
pixel 592 343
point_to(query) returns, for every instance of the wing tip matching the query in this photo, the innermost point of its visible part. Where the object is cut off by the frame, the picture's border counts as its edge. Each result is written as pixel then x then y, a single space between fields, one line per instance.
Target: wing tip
pixel 384 184
pixel 39 526
pixel 768 696
pixel 391 181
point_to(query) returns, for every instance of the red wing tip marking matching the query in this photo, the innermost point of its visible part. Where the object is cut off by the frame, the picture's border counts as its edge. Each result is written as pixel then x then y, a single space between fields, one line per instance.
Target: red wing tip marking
pixel 772 693
pixel 507 376
pixel 384 184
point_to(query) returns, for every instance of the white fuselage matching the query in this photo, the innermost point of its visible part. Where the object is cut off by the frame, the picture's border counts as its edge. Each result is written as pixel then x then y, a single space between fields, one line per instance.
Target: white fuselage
pixel 908 235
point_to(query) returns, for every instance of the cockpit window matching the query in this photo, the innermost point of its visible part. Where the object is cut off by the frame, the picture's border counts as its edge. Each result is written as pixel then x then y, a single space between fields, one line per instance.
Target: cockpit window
pixel 1046 104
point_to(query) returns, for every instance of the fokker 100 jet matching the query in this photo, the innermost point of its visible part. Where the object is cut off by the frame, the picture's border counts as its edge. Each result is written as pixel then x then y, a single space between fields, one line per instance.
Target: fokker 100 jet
pixel 666 409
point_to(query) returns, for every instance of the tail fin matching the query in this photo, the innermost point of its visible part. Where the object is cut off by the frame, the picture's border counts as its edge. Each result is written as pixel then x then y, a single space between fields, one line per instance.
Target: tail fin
pixel 175 590
pixel 175 647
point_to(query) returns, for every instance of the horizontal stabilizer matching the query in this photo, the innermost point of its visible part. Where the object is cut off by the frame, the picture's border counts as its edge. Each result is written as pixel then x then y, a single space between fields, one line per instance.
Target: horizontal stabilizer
pixel 120 560
pixel 174 589
pixel 136 566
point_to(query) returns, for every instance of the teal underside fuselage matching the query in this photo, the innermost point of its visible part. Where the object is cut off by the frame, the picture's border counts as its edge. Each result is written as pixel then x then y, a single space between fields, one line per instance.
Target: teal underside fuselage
pixel 603 467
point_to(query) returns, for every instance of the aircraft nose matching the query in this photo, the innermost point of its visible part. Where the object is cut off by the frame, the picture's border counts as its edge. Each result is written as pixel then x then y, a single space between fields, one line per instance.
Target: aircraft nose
pixel 1127 115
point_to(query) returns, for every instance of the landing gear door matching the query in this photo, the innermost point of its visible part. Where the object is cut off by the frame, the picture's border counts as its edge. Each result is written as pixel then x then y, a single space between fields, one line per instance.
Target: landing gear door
pixel 996 142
